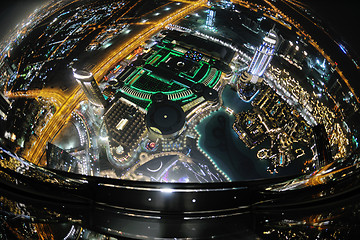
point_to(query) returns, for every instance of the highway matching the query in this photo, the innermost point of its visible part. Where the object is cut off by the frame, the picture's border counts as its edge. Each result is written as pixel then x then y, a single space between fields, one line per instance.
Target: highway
pixel 54 125
pixel 101 68
pixel 56 97
pixel 62 115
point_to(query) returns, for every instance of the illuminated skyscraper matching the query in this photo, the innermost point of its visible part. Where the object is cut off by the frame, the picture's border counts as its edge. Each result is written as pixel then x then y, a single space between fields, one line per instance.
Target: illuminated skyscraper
pixel 4 107
pixel 263 54
pixel 210 19
pixel 90 87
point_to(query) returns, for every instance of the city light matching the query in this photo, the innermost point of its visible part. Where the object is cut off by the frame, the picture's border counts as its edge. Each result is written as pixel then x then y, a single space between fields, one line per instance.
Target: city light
pixel 174 92
pixel 113 78
pixel 81 74
pixel 167 190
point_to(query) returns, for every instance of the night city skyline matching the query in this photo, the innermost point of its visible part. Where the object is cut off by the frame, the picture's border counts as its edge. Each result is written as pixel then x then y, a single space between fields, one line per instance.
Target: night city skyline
pixel 152 107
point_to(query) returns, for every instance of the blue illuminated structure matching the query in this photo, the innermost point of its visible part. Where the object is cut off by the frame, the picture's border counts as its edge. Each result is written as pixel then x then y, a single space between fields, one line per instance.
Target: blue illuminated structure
pixel 249 79
pixel 263 54
pixel 210 20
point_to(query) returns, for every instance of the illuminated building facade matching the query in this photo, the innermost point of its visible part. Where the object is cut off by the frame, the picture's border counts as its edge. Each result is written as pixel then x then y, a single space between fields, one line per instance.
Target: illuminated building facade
pixel 176 151
pixel 323 147
pixel 210 20
pixel 90 87
pixel 293 53
pixel 263 55
pixel 8 69
pixel 4 107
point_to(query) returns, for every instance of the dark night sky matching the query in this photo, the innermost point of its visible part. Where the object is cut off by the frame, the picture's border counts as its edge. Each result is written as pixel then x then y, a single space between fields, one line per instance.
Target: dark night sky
pixel 344 18
pixel 13 11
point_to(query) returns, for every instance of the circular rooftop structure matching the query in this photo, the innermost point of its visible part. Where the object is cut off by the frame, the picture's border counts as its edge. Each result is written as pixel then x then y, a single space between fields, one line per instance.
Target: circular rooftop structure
pixel 165 119
pixel 82 75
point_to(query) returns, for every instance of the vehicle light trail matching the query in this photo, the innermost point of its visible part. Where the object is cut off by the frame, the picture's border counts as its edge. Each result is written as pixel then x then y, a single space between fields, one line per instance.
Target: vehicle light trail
pixel 54 125
pixel 55 96
pixel 100 69
pixel 62 115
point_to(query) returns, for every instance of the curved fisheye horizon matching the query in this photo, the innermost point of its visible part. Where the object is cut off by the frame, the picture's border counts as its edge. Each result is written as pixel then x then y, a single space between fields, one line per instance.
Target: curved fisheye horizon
pixel 178 101
pixel 13 13
pixel 238 76
pixel 342 18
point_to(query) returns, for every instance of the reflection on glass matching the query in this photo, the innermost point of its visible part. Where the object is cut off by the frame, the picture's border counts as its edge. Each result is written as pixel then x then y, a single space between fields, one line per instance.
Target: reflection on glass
pixel 177 92
pixel 182 97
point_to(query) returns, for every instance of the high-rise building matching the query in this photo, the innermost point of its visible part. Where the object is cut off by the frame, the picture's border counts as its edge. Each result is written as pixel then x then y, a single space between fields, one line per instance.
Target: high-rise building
pixel 4 107
pixel 90 87
pixel 210 19
pixel 286 47
pixel 249 79
pixel 8 67
pixel 323 148
pixel 263 54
